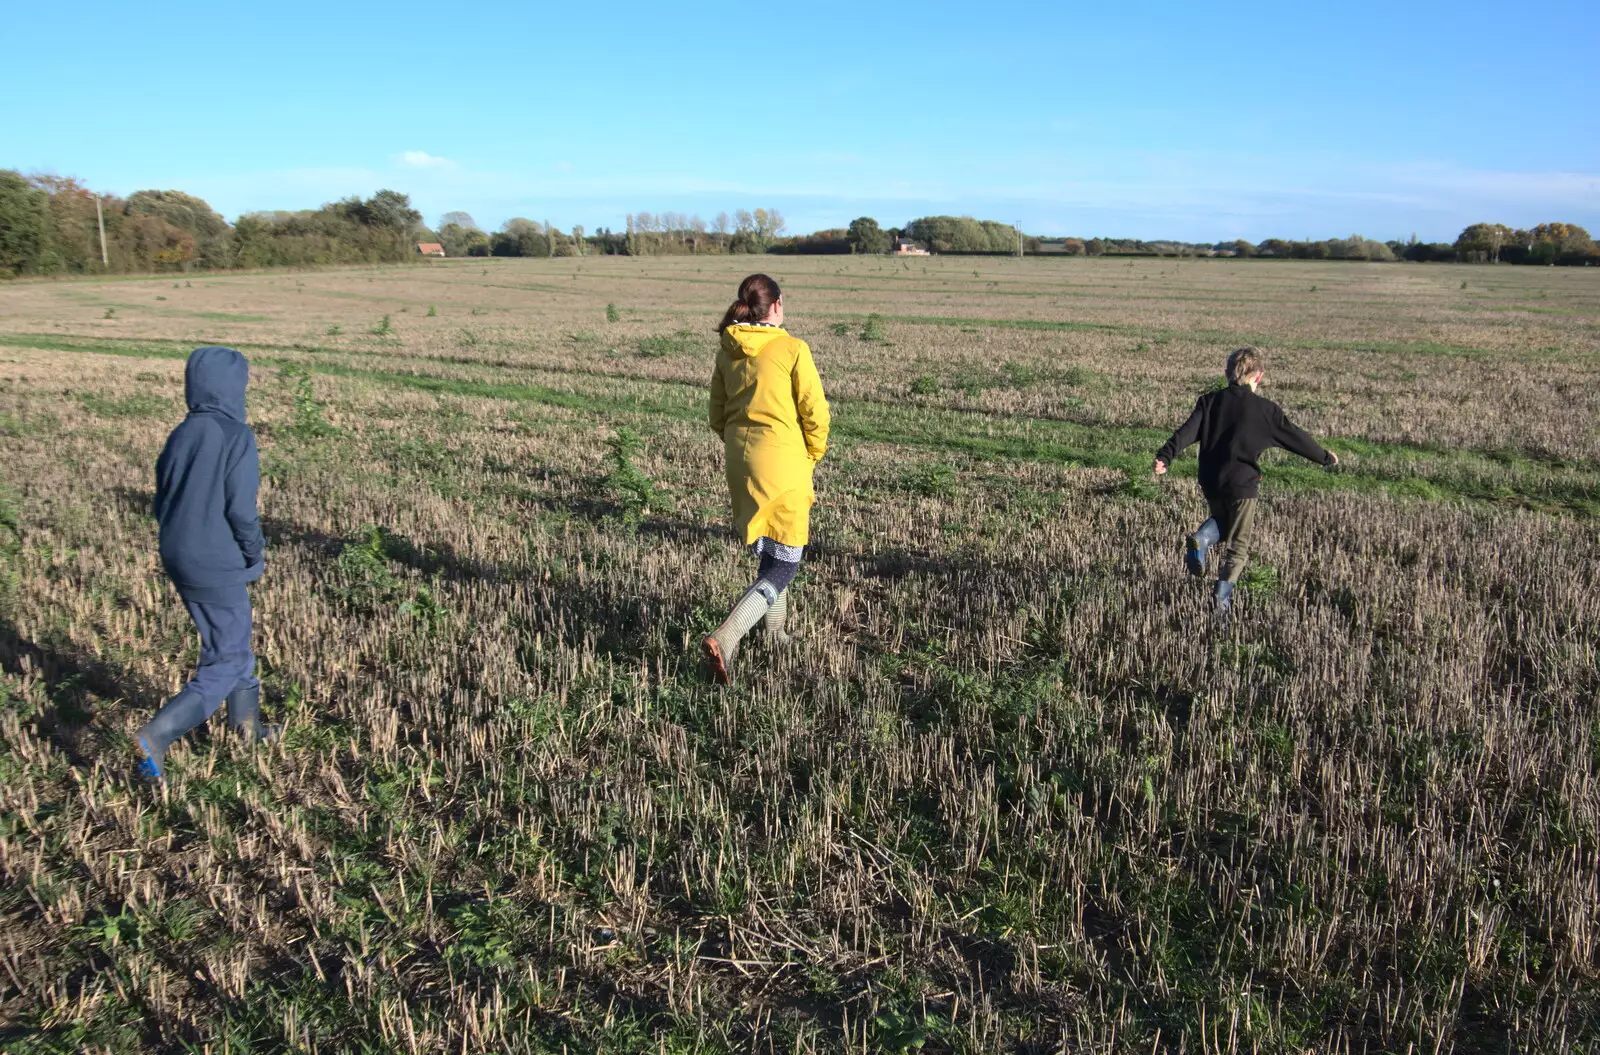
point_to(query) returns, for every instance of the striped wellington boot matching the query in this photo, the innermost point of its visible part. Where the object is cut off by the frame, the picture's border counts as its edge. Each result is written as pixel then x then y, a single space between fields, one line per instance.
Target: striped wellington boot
pixel 723 645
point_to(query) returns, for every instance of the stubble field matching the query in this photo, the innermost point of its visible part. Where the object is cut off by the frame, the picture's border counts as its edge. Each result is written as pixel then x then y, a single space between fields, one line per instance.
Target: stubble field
pixel 1015 792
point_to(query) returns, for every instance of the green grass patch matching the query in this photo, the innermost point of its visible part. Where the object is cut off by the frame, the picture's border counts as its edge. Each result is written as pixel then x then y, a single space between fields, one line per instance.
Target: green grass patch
pixel 1397 469
pixel 667 345
pixel 138 405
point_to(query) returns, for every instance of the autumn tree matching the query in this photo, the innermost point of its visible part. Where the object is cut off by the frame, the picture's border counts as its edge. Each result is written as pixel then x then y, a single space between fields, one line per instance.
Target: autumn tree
pixel 209 239
pixel 1550 243
pixel 1482 242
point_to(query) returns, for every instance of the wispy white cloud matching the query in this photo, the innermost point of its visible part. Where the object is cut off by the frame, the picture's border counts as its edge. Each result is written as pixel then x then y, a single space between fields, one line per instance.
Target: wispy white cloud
pixel 1554 188
pixel 1194 195
pixel 421 159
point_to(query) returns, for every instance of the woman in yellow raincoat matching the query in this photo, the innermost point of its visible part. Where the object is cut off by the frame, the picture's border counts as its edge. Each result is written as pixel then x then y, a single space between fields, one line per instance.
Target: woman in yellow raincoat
pixel 768 407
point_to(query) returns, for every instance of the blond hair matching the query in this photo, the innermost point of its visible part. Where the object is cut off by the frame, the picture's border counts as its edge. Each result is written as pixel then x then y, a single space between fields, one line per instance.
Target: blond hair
pixel 1243 364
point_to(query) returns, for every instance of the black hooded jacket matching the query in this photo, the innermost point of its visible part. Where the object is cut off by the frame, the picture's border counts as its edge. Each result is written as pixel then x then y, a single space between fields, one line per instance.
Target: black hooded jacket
pixel 206 483
pixel 1233 426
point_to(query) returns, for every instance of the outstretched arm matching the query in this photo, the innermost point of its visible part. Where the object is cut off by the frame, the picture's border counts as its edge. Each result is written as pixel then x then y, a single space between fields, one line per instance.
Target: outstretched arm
pixel 1292 437
pixel 811 404
pixel 1187 433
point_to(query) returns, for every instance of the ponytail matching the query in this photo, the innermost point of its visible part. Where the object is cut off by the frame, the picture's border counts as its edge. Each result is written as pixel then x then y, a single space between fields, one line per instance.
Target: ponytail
pixel 757 295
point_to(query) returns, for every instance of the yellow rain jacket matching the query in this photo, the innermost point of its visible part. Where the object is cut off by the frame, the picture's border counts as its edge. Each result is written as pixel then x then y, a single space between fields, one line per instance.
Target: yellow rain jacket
pixel 768 407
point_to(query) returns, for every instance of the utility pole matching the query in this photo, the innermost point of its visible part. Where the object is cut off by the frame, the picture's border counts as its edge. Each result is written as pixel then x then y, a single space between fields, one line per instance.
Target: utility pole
pixel 100 218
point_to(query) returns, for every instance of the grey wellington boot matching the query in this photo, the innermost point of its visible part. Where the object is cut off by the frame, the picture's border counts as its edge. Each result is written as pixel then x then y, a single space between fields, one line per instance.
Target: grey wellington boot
pixel 723 645
pixel 177 716
pixel 1222 600
pixel 244 715
pixel 775 621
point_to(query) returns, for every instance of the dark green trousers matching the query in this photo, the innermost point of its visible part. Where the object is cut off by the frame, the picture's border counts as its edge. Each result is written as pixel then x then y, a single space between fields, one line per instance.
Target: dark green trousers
pixel 1236 521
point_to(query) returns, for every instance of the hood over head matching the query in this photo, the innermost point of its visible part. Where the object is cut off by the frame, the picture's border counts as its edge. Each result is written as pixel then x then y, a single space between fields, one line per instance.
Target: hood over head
pixel 214 382
pixel 745 341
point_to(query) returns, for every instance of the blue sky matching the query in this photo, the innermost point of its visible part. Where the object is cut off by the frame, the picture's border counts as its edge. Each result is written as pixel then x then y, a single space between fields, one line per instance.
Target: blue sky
pixel 1145 120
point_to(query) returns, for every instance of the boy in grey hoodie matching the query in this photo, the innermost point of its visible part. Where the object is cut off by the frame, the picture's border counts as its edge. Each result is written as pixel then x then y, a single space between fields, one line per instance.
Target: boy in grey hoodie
pixel 211 546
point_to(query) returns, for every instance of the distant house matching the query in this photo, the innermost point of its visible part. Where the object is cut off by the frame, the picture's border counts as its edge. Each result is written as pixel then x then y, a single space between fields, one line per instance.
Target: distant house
pixel 430 249
pixel 906 247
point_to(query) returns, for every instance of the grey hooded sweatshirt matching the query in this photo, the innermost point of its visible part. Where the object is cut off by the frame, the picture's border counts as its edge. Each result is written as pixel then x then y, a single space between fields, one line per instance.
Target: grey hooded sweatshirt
pixel 206 483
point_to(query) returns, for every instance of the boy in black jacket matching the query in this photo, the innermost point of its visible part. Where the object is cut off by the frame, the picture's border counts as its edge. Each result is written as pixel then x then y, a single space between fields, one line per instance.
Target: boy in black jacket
pixel 211 547
pixel 1233 426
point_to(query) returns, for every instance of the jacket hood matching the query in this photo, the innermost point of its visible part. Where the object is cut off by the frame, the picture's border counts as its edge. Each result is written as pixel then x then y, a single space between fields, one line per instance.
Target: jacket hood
pixel 214 382
pixel 746 342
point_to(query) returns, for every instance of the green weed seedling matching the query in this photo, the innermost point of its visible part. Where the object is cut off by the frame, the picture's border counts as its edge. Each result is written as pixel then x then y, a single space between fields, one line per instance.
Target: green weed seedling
pixel 433 312
pixel 874 329
pixel 627 484
pixel 932 480
pixel 612 315
pixel 383 329
pixel 840 329
pixel 335 330
pixel 108 932
pixel 1137 487
pixel 487 934
pixel 10 528
pixel 899 1031
pixel 364 578
pixel 1260 580
pixel 424 608
pixel 308 423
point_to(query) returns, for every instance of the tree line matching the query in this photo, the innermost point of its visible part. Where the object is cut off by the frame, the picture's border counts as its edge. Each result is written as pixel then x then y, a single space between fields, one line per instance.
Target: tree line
pixel 55 225
pixel 1482 243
